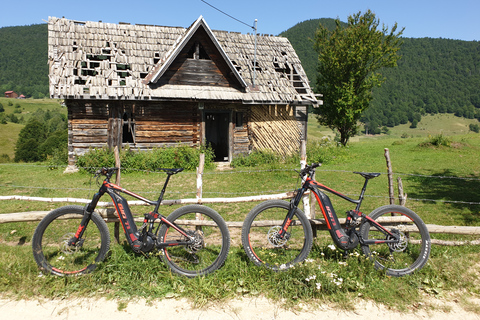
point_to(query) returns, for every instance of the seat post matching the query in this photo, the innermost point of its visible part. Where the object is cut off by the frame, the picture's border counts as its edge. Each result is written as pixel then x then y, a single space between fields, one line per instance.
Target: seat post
pixel 362 194
pixel 160 197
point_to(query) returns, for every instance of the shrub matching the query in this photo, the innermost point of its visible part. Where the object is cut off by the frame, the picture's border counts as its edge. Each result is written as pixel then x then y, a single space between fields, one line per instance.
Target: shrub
pixel 437 141
pixel 258 157
pixel 4 158
pixel 324 150
pixel 474 127
pixel 181 156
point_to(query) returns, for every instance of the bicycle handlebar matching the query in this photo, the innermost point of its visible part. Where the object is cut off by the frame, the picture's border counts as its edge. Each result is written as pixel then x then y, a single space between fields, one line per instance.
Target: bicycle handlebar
pixel 309 169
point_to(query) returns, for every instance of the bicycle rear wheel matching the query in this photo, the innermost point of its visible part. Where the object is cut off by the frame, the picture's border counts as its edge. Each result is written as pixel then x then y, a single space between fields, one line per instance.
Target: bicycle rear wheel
pixel 405 257
pixel 50 242
pixel 260 231
pixel 209 250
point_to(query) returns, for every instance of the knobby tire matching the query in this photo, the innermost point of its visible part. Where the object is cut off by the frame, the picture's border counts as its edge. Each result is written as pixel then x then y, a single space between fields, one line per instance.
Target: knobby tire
pixel 212 241
pixel 406 257
pixel 260 241
pixel 50 242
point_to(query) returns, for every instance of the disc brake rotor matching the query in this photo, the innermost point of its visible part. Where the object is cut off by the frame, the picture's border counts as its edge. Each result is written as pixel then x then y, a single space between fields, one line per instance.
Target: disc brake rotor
pixel 402 244
pixel 274 237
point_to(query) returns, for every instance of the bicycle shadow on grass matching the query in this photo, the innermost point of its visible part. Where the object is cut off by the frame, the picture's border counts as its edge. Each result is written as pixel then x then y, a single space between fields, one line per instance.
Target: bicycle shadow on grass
pixel 444 187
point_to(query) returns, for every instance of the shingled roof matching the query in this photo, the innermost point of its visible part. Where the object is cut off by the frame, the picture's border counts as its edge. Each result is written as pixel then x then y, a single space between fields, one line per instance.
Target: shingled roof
pixel 95 60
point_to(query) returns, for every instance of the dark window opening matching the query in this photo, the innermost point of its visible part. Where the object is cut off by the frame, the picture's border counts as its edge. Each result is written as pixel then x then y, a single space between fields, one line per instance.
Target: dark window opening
pixel 197 52
pixel 128 132
pixel 239 120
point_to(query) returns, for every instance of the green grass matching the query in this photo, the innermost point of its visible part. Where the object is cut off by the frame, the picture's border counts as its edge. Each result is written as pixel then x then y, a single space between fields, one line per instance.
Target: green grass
pixel 434 178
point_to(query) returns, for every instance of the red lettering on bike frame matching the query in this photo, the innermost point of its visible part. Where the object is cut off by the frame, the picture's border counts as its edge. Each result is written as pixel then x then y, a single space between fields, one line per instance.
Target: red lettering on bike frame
pixel 323 211
pixel 122 212
pixel 125 224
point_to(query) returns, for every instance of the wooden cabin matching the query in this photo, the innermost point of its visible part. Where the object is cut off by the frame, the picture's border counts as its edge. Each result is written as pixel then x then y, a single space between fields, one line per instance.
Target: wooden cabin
pixel 11 94
pixel 151 86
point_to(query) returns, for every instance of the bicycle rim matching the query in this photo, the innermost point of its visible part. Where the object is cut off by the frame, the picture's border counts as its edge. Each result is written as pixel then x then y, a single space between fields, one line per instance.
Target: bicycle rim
pixel 211 243
pixel 263 245
pixel 54 255
pixel 406 256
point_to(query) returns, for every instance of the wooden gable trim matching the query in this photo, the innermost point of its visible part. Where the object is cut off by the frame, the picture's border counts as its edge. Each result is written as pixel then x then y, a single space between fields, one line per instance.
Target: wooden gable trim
pixel 172 54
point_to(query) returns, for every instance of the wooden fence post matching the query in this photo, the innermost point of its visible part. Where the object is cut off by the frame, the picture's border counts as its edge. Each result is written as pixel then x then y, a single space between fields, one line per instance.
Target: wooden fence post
pixel 402 198
pixel 116 229
pixel 200 168
pixel 390 177
pixel 303 163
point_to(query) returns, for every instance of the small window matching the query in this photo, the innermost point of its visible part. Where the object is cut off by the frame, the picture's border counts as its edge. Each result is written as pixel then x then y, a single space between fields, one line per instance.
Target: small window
pixel 239 120
pixel 128 134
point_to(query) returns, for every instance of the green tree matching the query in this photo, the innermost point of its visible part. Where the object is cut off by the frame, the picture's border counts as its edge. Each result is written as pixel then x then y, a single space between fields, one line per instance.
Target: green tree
pixel 348 62
pixel 29 140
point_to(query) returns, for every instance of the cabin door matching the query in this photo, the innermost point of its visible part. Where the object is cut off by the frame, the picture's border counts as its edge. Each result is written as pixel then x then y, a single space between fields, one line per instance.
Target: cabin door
pixel 217 133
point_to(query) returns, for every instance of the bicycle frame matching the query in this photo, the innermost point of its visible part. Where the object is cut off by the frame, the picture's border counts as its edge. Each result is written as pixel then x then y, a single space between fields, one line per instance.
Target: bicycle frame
pixel 345 238
pixel 138 242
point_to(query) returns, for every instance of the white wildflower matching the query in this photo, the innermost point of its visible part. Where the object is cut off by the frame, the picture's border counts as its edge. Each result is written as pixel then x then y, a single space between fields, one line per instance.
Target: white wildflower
pixel 331 247
pixel 319 285
pixel 311 278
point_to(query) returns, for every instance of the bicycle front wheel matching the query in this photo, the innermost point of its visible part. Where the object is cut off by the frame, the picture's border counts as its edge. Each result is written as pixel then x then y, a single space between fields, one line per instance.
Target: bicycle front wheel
pixel 260 238
pixel 50 242
pixel 410 253
pixel 209 249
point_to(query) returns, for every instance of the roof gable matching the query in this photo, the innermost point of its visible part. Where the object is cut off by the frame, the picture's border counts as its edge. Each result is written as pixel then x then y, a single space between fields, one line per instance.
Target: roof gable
pixel 184 43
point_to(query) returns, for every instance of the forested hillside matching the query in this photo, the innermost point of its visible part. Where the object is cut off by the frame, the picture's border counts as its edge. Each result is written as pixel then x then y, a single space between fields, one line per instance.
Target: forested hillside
pixel 23 60
pixel 433 75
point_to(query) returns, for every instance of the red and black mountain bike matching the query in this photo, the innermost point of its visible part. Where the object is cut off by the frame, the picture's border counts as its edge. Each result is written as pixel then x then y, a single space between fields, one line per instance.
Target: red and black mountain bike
pixel 277 234
pixel 193 240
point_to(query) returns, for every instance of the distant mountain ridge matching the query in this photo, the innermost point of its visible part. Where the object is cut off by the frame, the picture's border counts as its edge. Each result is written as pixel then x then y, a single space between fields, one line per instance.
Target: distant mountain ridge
pixel 433 75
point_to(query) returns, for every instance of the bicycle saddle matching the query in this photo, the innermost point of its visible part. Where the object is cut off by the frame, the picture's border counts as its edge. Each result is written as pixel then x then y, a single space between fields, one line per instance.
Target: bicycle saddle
pixel 368 175
pixel 171 171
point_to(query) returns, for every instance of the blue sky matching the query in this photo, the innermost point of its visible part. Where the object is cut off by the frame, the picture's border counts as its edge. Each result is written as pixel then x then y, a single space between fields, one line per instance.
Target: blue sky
pixel 449 19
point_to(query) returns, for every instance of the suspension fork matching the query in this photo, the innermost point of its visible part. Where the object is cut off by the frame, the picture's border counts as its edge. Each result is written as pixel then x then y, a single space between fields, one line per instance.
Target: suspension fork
pixel 293 207
pixel 87 214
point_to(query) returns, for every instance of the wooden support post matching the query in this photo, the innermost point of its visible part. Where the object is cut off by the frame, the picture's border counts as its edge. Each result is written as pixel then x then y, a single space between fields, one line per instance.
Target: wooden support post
pixel 402 198
pixel 200 168
pixel 303 163
pixel 116 229
pixel 390 177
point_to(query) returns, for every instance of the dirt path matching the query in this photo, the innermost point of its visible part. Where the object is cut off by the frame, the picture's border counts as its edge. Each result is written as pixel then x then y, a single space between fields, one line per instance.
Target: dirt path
pixel 247 308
